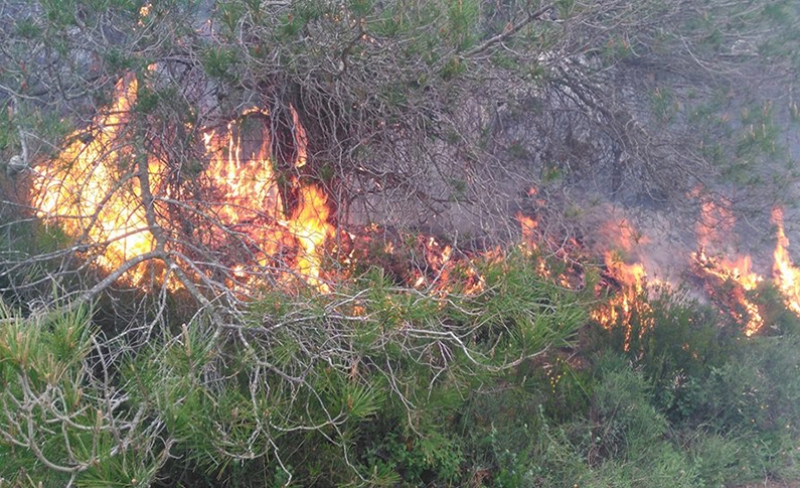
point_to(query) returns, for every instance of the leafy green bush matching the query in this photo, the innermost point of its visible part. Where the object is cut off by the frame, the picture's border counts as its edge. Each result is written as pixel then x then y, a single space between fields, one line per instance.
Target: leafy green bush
pixel 673 341
pixel 381 385
pixel 363 386
pixel 64 417
pixel 731 402
pixel 719 459
pixel 625 422
pixel 754 397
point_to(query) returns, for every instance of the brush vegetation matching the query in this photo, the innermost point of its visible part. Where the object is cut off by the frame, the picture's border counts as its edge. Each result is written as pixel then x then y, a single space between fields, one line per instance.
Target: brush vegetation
pixel 412 113
pixel 381 385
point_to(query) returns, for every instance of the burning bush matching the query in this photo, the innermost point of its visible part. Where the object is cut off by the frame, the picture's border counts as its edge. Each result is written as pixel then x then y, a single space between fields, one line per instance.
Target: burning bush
pixel 249 158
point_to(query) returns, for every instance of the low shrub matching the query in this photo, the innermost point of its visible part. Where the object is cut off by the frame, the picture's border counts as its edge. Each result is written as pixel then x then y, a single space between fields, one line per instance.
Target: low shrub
pixel 379 385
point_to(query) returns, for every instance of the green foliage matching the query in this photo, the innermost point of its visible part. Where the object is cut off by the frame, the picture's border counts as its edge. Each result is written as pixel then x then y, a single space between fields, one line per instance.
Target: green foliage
pixel 218 62
pixel 421 392
pixel 378 384
pixel 46 382
pixel 407 367
pixel 718 459
pixel 664 105
pixel 629 424
pixel 414 460
pixel 118 60
pixel 672 340
pixel 28 29
pixel 463 17
pixel 782 321
pixel 756 388
pixel 453 68
pixel 733 401
pixel 571 390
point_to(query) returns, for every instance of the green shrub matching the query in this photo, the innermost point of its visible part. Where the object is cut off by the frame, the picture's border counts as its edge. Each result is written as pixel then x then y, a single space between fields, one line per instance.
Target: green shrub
pixel 674 342
pixel 720 460
pixel 625 423
pixel 385 386
pixel 64 420
pixel 729 402
pixel 371 388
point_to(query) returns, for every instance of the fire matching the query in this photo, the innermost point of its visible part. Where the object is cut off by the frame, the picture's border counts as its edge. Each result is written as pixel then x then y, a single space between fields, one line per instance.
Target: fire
pixel 624 235
pixel 755 322
pixel 625 276
pixel 715 222
pixel 438 265
pixel 786 275
pixel 310 226
pixel 738 270
pixel 726 279
pixel 529 226
pixel 631 282
pixel 95 191
pixel 80 189
pixel 739 273
pixel 422 261
pixel 114 201
pixel 251 196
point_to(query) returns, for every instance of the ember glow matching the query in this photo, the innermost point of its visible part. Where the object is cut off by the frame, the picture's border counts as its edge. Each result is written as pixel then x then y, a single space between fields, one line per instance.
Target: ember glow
pixel 528 225
pixel 443 270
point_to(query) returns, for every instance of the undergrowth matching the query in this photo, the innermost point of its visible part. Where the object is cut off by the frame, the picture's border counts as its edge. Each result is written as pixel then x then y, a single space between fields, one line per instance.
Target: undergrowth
pixel 381 385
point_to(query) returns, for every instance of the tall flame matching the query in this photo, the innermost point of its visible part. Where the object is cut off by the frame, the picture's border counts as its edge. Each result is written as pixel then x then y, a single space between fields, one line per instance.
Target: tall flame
pixel 309 224
pixel 714 221
pixel 81 189
pixel 94 191
pixel 619 309
pixel 786 275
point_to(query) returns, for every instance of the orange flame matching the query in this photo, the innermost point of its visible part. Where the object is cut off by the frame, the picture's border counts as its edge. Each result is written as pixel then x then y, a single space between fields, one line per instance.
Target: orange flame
pixel 529 235
pixel 714 221
pixel 93 191
pixel 620 308
pixel 90 189
pixel 786 275
pixel 627 280
pixel 309 224
pixel 738 272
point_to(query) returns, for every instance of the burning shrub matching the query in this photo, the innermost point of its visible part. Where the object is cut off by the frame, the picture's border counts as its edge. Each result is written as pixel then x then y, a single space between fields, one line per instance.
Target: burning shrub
pixel 232 147
pixel 673 340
